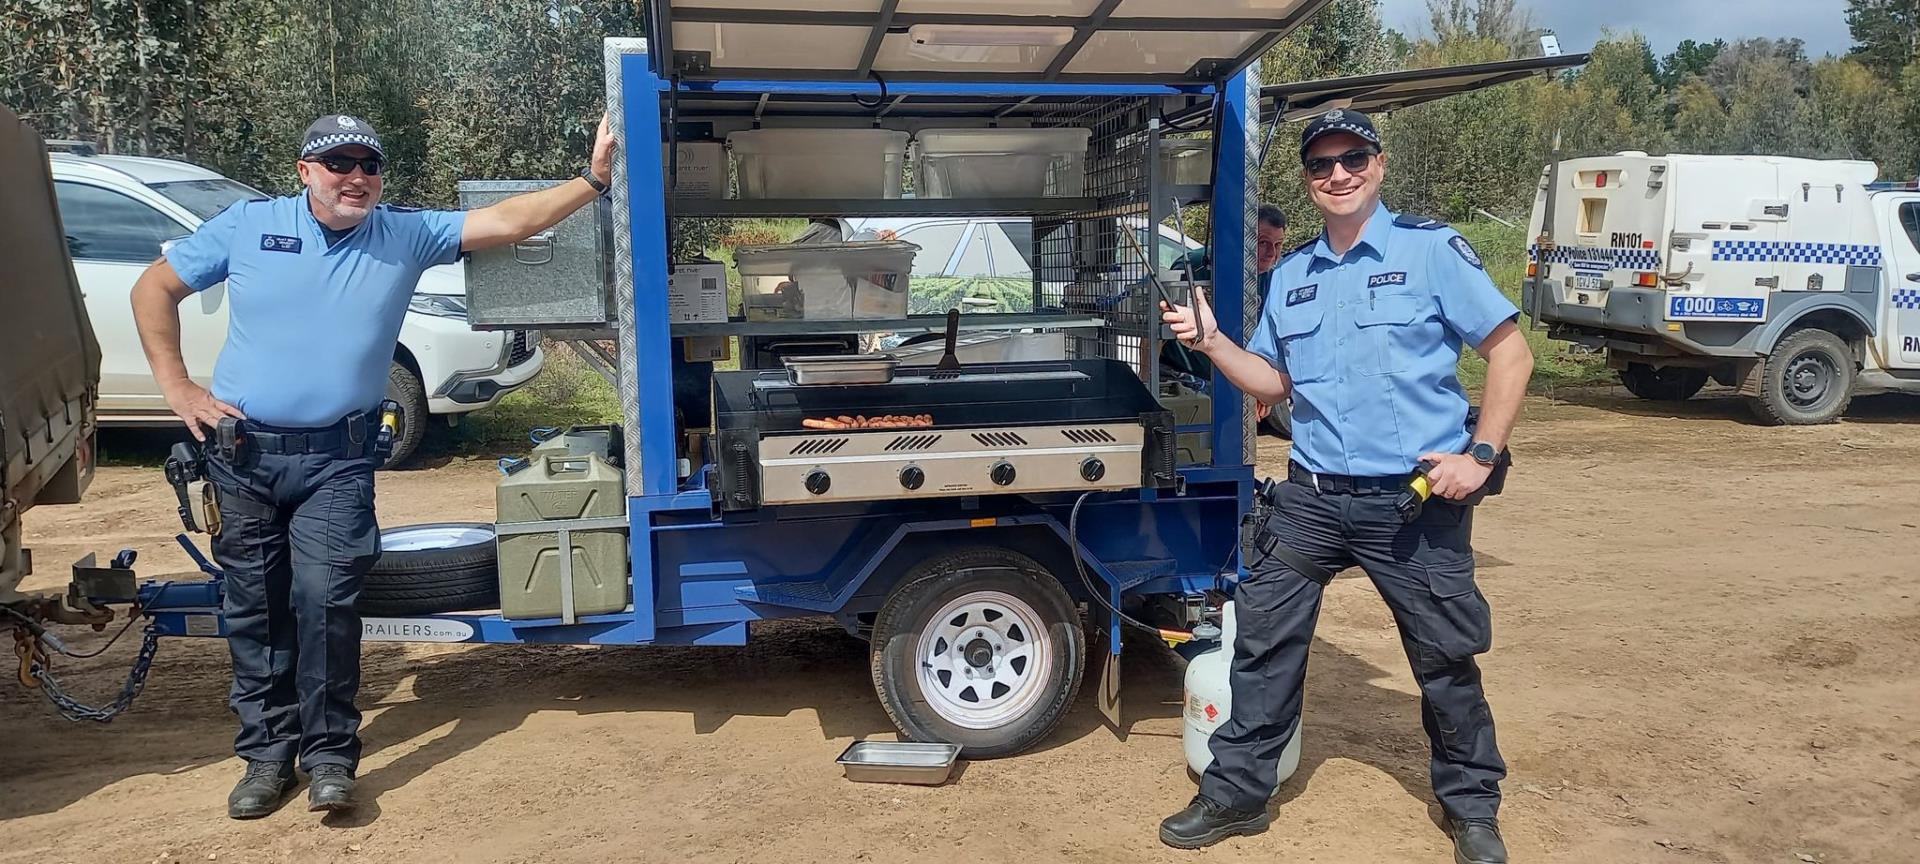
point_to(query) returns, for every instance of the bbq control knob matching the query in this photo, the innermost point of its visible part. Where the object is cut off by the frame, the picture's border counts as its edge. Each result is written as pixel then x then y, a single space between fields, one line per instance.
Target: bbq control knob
pixel 911 477
pixel 1003 474
pixel 818 482
pixel 1092 469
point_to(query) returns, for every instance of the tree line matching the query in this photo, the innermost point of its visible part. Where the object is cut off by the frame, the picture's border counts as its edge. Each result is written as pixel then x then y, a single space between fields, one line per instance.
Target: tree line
pixel 512 89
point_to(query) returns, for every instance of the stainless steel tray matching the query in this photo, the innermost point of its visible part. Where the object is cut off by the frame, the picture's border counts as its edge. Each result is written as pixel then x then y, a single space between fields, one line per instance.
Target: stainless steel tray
pixel 862 369
pixel 899 762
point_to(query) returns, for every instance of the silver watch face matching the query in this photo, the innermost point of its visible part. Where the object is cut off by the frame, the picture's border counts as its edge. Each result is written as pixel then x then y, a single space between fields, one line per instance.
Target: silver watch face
pixel 1483 453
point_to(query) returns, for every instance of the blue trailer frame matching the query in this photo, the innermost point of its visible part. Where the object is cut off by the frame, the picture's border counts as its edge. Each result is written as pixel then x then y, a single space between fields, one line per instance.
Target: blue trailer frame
pixel 702 577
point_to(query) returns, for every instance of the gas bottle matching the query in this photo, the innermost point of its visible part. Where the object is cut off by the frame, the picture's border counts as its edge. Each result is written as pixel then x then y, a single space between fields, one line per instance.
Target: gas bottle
pixel 1210 702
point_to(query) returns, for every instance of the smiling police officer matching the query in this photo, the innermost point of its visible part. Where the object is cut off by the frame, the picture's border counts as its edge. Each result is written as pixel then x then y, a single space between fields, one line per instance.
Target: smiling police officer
pixel 319 283
pixel 1364 329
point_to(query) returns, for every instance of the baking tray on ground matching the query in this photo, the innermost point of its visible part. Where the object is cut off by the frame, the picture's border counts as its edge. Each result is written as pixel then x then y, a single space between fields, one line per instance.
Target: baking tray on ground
pixel 927 764
pixel 839 369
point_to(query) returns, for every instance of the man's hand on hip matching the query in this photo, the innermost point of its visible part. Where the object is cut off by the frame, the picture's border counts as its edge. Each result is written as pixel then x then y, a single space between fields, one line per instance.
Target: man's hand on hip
pixel 1456 475
pixel 196 407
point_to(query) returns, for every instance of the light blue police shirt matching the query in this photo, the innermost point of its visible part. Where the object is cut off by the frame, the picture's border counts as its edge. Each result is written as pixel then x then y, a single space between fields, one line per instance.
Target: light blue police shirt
pixel 1371 340
pixel 311 329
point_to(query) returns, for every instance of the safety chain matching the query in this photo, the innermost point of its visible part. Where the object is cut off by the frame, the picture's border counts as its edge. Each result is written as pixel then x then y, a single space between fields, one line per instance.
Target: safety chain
pixel 37 671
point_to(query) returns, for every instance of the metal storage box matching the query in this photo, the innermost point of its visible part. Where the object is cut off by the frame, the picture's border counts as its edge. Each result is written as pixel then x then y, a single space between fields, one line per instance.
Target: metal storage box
pixel 560 277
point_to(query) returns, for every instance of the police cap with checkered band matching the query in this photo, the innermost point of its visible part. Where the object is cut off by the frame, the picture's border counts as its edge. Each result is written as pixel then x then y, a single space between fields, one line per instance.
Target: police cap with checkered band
pixel 340 130
pixel 1339 120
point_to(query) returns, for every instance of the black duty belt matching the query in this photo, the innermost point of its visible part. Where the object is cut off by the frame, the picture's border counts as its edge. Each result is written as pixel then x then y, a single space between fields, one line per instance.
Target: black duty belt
pixel 350 437
pixel 1341 484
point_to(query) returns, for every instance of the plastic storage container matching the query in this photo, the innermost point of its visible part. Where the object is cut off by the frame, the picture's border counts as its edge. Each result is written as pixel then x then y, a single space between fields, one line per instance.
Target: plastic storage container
pixel 825 280
pixel 819 163
pixel 1015 163
pixel 557 483
pixel 1186 161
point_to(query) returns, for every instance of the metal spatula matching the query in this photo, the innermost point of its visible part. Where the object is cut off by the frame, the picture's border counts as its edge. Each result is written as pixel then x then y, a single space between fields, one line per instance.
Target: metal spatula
pixel 949 365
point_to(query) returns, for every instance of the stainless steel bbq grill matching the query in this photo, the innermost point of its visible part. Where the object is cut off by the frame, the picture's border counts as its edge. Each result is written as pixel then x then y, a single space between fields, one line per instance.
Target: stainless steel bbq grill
pixel 1016 428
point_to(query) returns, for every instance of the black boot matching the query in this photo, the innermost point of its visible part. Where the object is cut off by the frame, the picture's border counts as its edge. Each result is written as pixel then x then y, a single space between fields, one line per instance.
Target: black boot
pixel 330 787
pixel 1206 822
pixel 1477 841
pixel 261 791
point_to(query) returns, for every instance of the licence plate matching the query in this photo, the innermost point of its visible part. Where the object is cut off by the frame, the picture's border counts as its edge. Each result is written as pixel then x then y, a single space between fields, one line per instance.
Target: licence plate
pixel 1716 308
pixel 1589 282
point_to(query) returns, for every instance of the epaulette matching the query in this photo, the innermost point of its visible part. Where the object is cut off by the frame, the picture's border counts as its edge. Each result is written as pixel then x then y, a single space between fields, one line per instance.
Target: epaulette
pixel 395 208
pixel 1408 220
pixel 1301 248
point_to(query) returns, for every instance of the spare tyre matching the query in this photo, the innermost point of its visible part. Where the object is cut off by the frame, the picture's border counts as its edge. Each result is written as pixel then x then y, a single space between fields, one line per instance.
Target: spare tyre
pixel 433 568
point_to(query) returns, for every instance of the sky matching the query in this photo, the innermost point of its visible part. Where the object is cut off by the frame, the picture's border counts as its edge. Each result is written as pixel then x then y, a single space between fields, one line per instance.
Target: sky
pixel 1822 24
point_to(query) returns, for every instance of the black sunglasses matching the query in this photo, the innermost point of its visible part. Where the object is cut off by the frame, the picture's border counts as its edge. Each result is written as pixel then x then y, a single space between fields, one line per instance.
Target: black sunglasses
pixel 1355 161
pixel 344 164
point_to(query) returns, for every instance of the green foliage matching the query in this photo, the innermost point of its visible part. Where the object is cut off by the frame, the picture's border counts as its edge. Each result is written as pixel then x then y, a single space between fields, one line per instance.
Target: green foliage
pixel 1886 34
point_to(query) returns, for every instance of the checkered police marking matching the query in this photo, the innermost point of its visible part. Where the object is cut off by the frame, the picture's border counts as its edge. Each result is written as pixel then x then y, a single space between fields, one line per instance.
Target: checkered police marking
pixel 1857 255
pixel 1597 257
pixel 328 142
pixel 1906 298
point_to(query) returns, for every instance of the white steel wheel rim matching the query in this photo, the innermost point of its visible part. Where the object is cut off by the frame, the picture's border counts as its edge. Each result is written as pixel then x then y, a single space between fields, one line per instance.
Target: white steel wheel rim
pixel 984 660
pixel 418 538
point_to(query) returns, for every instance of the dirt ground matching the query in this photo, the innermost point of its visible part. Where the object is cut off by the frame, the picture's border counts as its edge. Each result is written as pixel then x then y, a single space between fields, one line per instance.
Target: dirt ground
pixel 1707 649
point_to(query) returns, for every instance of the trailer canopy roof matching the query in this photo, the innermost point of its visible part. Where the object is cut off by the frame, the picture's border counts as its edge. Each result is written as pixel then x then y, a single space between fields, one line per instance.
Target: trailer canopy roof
pixel 1004 41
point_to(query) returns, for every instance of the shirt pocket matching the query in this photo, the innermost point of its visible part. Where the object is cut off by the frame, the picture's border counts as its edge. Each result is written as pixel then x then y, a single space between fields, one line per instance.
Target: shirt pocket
pixel 1306 355
pixel 1388 324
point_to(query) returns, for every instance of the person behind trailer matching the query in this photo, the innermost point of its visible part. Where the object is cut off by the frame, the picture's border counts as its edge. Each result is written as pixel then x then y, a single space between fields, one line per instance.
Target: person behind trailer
pixel 1270 236
pixel 318 284
pixel 1363 329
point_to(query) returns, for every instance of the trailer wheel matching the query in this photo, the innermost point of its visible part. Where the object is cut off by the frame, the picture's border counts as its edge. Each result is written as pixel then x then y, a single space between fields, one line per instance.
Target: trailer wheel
pixel 980 647
pixel 1663 384
pixel 1808 380
pixel 433 568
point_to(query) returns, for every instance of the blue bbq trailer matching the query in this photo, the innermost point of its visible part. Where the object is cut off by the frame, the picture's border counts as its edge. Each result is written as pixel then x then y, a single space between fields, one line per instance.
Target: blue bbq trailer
pixel 965 538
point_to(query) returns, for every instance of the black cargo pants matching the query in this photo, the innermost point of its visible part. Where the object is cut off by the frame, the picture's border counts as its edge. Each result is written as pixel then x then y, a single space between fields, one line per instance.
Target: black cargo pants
pixel 1424 570
pixel 298 533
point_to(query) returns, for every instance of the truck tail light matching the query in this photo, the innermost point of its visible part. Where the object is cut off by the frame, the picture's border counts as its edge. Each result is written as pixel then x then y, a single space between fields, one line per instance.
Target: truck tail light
pixel 1533 270
pixel 1647 280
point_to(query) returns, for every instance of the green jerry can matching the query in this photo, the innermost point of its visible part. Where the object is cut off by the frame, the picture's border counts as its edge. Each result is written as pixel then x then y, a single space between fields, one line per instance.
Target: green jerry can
pixel 556 484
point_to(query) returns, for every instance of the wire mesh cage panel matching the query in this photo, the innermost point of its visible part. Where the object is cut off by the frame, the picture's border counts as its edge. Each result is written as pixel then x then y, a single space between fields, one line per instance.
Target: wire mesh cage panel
pixel 1098 262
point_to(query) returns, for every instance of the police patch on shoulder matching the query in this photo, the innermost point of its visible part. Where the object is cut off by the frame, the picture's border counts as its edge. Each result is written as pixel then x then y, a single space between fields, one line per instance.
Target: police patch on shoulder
pixel 1302 294
pixel 1398 277
pixel 279 243
pixel 1465 249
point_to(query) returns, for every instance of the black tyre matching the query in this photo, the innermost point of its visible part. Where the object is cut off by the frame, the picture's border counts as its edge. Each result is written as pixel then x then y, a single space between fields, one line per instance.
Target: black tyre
pixel 403 386
pixel 1663 384
pixel 1808 380
pixel 1279 421
pixel 979 647
pixel 433 568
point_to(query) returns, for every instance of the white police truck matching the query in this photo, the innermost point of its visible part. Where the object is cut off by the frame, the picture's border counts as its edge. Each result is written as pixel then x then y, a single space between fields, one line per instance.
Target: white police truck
pixel 1796 281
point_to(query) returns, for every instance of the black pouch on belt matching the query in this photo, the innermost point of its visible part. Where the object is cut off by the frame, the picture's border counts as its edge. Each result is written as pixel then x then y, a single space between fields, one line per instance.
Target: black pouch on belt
pixel 231 442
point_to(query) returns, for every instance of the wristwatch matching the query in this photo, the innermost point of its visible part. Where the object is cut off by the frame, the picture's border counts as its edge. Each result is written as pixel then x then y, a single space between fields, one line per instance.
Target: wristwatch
pixel 1483 453
pixel 587 175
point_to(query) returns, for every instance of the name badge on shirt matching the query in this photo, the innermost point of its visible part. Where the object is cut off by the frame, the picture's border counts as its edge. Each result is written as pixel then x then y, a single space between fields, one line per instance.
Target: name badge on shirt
pixel 1302 294
pixel 279 243
pixel 1396 278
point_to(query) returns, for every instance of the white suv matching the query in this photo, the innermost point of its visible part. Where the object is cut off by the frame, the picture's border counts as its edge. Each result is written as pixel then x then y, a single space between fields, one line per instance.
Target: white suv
pixel 120 210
